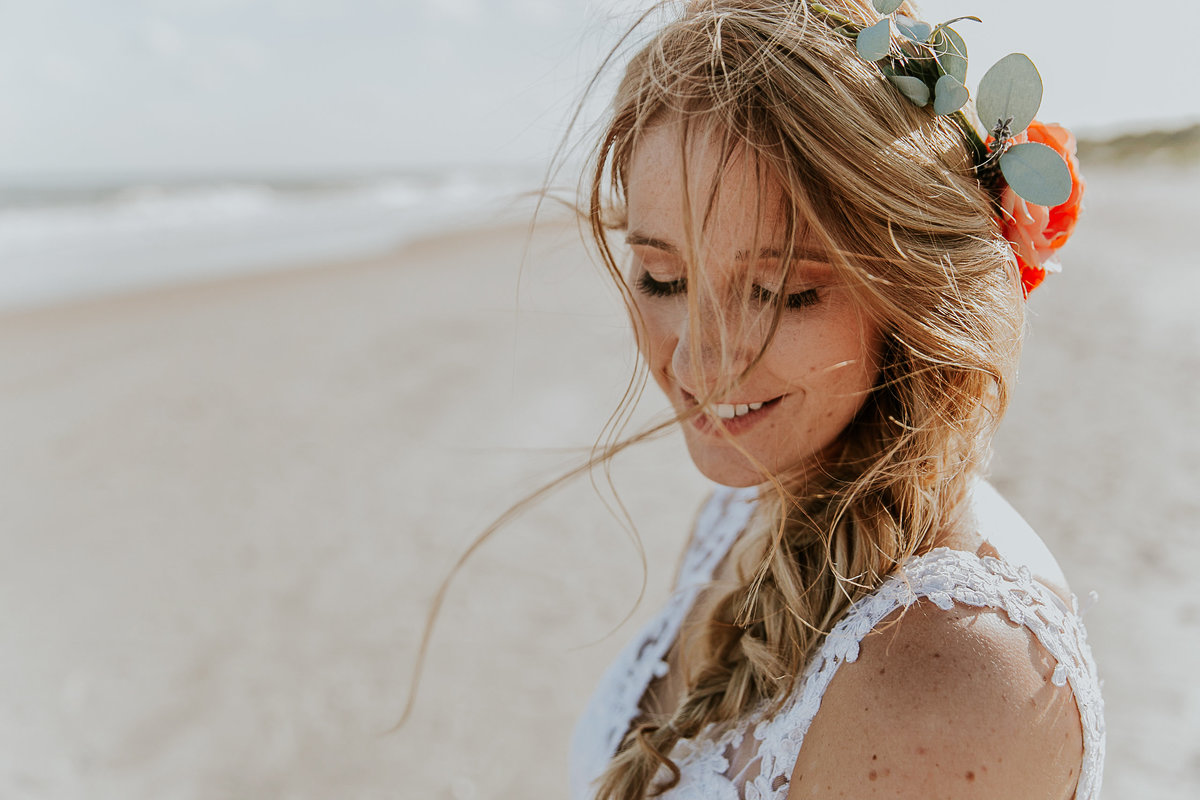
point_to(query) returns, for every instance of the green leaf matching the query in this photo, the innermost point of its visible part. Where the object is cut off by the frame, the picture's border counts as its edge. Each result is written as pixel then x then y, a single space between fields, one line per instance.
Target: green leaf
pixel 913 29
pixel 1011 88
pixel 1037 173
pixel 951 53
pixel 874 42
pixel 949 95
pixel 913 88
pixel 887 6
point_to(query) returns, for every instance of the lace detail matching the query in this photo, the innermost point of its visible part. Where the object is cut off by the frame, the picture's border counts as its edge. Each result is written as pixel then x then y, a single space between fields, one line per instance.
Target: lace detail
pixel 945 577
pixel 754 758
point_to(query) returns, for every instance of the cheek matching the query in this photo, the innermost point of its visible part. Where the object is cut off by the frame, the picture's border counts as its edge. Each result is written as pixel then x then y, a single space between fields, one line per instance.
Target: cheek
pixel 830 358
pixel 658 336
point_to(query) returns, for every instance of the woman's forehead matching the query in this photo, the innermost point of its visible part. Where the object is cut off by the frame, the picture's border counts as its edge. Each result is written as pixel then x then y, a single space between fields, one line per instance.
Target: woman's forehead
pixel 700 159
pixel 694 188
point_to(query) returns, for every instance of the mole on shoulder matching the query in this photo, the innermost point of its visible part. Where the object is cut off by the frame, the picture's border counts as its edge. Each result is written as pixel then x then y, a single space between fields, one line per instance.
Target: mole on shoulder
pixel 970 776
pixel 873 775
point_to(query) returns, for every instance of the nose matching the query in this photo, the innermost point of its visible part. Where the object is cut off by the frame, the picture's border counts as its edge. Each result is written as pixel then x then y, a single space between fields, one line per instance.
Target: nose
pixel 710 357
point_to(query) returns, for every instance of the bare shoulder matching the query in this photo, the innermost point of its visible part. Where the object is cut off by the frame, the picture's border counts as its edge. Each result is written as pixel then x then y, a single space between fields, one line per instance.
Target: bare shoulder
pixel 943 703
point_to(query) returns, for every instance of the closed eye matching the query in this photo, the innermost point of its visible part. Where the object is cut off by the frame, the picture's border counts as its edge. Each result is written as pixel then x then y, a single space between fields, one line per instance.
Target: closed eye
pixel 803 299
pixel 654 288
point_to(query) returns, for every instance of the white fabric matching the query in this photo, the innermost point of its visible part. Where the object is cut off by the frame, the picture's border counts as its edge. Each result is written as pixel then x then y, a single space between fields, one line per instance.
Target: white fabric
pixel 753 759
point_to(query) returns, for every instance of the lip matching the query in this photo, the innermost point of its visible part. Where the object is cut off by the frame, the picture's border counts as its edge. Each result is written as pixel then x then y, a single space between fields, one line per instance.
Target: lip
pixel 707 424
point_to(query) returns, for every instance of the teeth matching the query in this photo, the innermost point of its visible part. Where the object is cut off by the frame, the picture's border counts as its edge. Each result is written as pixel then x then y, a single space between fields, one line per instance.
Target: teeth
pixel 729 411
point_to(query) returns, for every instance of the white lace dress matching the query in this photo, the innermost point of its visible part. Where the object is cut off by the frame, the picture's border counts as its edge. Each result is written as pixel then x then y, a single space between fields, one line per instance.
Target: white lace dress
pixel 711 770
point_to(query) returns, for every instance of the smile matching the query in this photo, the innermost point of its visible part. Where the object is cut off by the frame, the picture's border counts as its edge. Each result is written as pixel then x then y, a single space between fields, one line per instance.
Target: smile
pixel 733 418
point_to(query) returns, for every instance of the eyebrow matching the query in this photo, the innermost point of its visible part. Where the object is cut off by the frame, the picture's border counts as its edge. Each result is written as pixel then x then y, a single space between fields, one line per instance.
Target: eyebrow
pixel 635 239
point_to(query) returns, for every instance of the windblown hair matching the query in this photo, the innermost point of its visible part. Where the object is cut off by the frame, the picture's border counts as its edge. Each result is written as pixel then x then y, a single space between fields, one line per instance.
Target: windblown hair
pixel 887 191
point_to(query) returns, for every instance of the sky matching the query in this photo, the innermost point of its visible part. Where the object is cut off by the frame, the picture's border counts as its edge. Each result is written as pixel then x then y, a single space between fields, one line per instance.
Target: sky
pixel 111 87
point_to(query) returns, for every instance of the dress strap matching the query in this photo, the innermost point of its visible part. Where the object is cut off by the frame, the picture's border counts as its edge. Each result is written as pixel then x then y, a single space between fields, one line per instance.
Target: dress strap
pixel 945 577
pixel 721 520
pixel 616 701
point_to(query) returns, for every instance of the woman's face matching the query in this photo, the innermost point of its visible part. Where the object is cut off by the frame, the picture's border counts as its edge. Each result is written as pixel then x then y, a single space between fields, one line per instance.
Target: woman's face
pixel 823 358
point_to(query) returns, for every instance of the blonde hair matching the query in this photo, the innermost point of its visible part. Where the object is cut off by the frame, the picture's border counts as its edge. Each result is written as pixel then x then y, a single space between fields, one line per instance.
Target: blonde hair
pixel 887 191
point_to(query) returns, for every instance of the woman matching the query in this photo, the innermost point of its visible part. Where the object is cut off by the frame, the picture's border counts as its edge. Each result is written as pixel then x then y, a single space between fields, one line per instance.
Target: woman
pixel 827 284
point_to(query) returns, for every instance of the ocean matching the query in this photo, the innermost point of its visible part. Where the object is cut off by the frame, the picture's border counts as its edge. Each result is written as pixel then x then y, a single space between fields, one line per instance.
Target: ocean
pixel 66 240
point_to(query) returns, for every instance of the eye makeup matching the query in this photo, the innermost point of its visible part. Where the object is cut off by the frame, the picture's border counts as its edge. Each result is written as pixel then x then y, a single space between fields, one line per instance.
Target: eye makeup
pixel 809 297
pixel 651 287
pixel 655 288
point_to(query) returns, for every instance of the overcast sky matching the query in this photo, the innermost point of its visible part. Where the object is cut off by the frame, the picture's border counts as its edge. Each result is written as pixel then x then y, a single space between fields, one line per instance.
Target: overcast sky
pixel 265 86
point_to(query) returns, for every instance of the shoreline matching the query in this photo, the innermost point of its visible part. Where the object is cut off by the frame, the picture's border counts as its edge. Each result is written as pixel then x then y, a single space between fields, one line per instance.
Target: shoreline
pixel 256 278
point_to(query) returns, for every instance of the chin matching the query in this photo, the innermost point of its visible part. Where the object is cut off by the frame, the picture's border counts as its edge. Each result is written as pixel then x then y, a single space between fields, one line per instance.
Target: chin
pixel 724 465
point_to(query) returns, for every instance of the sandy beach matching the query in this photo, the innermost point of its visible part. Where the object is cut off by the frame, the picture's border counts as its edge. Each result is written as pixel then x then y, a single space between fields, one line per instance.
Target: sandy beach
pixel 225 507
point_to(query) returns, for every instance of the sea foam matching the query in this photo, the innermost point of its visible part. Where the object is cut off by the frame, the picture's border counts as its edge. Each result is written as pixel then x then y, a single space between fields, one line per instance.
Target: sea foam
pixel 68 242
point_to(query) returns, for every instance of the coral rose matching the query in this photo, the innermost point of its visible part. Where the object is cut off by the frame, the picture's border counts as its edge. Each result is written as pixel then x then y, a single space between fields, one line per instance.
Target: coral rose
pixel 1037 232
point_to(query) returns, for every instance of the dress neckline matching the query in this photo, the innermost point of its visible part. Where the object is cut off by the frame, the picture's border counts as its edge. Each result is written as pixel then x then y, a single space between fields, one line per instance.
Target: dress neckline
pixel 943 575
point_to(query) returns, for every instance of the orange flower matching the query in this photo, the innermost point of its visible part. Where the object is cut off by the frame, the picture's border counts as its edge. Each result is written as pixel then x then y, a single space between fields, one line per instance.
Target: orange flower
pixel 1037 232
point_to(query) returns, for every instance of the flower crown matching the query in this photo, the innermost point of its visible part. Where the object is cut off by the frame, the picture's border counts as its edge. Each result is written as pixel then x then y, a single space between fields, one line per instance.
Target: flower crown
pixel 1028 167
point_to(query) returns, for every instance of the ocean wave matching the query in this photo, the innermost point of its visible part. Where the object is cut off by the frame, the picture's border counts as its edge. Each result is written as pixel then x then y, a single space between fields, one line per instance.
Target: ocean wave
pixel 72 241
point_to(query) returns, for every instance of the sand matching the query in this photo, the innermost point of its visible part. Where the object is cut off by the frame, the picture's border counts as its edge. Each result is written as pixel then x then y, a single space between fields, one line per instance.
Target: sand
pixel 225 509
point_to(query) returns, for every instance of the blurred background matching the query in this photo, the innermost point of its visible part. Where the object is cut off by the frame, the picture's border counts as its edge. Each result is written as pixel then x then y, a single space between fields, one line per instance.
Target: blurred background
pixel 276 342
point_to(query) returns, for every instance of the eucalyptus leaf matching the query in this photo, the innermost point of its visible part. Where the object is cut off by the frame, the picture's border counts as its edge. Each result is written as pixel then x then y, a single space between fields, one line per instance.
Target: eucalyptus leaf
pixel 1037 173
pixel 887 6
pixel 912 88
pixel 951 53
pixel 1011 88
pixel 949 95
pixel 874 42
pixel 913 29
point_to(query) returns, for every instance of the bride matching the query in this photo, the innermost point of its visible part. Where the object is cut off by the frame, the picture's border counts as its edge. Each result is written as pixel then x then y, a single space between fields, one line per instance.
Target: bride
pixel 827 282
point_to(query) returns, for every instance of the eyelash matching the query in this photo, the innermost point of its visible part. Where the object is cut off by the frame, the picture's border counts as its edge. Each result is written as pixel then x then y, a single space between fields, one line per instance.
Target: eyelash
pixel 652 288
